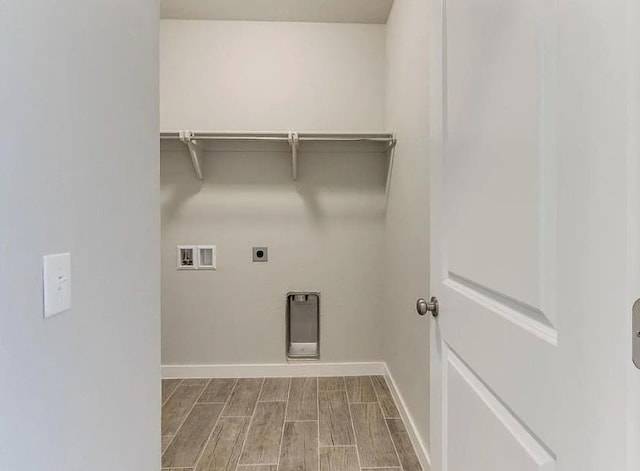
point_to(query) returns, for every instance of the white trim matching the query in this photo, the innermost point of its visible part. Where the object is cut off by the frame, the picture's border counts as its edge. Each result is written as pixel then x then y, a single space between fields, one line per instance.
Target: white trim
pixel 418 445
pixel 274 370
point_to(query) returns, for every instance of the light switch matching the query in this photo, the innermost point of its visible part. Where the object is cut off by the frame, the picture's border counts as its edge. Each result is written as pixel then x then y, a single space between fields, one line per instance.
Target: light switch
pixel 57 283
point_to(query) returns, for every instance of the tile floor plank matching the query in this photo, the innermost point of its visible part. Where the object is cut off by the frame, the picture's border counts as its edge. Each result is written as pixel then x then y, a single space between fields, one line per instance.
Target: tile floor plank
pixel 372 437
pixel 224 447
pixel 192 436
pixel 262 467
pixel 339 459
pixel 404 447
pixel 165 443
pixel 178 406
pixel 218 390
pixel 299 447
pixel 360 389
pixel 243 398
pixel 331 383
pixel 168 387
pixel 275 389
pixel 303 399
pixel 248 434
pixel 385 398
pixel 262 445
pixel 335 419
pixel 196 381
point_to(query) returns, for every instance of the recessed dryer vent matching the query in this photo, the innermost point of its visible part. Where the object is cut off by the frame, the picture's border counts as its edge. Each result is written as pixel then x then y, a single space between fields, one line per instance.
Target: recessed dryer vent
pixel 303 325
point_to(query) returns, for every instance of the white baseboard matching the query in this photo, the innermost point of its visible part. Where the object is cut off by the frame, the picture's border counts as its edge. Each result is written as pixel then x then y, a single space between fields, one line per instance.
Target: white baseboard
pixel 418 445
pixel 274 370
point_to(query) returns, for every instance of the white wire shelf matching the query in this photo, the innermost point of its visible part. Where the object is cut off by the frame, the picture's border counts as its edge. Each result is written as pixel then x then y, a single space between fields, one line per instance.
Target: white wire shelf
pixel 193 140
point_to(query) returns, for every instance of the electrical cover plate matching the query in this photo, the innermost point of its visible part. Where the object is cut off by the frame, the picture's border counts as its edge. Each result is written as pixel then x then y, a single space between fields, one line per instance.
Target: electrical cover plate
pixel 56 274
pixel 260 254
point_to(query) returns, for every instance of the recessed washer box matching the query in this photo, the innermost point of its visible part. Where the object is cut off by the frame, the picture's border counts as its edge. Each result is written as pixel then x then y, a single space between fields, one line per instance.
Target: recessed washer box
pixel 196 257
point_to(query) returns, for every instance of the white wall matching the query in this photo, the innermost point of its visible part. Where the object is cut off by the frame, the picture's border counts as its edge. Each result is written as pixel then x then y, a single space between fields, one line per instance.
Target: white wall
pixel 224 75
pixel 324 232
pixel 406 335
pixel 79 173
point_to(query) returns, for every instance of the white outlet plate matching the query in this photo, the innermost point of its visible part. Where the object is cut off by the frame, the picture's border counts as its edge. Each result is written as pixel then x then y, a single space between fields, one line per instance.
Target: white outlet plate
pixel 56 276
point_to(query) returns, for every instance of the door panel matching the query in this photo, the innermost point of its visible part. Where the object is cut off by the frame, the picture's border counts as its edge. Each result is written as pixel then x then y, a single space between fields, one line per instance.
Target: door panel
pixel 517 364
pixel 492 437
pixel 498 154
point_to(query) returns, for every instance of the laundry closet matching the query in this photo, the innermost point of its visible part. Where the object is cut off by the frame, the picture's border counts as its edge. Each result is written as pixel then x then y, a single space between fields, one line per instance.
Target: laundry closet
pixel 293 141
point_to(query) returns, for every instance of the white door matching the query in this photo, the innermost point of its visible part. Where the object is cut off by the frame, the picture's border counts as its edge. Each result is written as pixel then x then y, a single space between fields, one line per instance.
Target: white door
pixel 534 211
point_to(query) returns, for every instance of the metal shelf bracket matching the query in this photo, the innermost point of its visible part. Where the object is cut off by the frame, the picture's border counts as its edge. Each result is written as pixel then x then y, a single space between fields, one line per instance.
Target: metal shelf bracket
pixel 294 142
pixel 195 151
pixel 392 142
pixel 390 153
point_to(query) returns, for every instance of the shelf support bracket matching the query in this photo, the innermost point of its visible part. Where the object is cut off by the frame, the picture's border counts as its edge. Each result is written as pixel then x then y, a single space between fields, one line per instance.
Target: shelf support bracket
pixel 195 151
pixel 392 142
pixel 294 142
pixel 390 153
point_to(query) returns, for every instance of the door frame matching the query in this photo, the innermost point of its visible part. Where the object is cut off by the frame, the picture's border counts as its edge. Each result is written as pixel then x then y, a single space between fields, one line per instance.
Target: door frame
pixel 436 143
pixel 633 58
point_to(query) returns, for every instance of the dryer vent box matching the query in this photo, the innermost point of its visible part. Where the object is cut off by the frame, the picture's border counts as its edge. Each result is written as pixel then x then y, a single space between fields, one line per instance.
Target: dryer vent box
pixel 303 325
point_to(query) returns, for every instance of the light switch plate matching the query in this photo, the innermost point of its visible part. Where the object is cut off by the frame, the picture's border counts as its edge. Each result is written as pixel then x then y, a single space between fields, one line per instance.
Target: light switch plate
pixel 57 283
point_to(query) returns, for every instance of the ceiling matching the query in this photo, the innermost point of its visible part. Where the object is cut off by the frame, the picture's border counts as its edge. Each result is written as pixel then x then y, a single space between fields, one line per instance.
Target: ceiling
pixel 321 11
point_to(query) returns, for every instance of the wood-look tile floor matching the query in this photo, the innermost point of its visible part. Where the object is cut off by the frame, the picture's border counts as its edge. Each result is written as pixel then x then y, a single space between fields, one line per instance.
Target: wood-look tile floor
pixel 283 424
